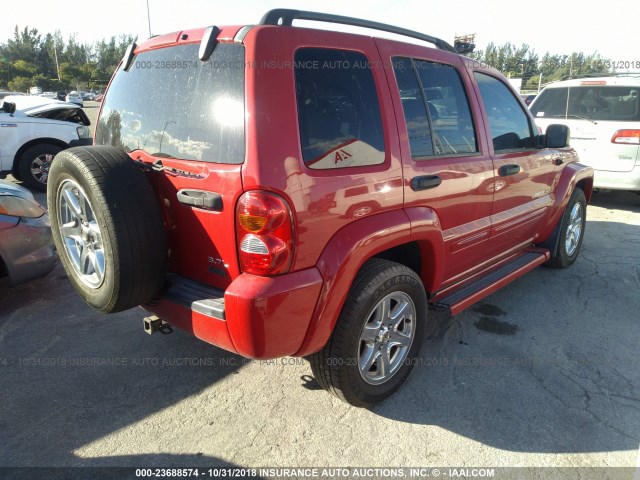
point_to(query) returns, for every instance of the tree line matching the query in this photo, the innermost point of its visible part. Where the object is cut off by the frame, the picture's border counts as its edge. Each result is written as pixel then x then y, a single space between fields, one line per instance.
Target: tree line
pixel 52 63
pixel 523 62
pixel 30 59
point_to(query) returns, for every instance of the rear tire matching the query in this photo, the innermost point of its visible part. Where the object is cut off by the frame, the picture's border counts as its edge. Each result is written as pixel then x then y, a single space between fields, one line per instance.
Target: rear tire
pixel 35 164
pixel 107 227
pixel 378 336
pixel 571 231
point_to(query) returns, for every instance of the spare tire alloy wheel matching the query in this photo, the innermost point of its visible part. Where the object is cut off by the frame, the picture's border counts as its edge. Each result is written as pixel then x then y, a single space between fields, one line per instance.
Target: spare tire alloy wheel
pixel 80 234
pixel 108 227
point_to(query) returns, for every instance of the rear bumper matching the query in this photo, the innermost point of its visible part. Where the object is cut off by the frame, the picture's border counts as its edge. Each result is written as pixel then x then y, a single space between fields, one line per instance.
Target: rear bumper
pixel 257 317
pixel 618 180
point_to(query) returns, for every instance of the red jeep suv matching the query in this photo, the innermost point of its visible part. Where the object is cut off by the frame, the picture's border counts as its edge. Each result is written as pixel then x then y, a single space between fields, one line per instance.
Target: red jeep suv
pixel 278 190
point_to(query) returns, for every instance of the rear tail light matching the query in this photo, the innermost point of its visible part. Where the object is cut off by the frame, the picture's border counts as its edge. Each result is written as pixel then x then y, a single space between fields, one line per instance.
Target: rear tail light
pixel 629 137
pixel 264 233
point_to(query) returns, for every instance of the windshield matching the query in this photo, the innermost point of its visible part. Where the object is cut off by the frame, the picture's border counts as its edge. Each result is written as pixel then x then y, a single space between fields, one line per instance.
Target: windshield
pixel 593 102
pixel 170 104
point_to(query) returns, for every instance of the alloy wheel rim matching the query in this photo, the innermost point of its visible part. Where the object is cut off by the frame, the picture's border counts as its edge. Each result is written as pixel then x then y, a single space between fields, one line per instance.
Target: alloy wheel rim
pixel 386 338
pixel 574 230
pixel 80 234
pixel 40 167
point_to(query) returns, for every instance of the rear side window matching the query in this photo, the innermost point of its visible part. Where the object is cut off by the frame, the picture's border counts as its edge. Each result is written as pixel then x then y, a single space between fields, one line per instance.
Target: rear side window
pixel 509 125
pixel 170 104
pixel 594 102
pixel 436 108
pixel 338 110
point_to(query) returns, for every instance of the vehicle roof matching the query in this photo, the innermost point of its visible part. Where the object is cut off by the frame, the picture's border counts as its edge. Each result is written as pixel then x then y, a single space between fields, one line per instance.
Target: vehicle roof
pixel 35 104
pixel 626 80
pixel 283 18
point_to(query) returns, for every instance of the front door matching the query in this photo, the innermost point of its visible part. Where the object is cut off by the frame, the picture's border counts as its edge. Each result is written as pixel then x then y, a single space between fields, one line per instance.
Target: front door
pixel 525 174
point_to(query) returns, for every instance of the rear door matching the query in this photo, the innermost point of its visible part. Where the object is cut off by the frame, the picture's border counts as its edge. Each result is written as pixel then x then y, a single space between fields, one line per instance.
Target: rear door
pixel 184 119
pixel 446 164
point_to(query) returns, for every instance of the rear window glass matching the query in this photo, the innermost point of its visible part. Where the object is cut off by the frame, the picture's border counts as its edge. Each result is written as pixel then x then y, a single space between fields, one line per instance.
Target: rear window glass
pixel 448 128
pixel 595 102
pixel 338 110
pixel 170 104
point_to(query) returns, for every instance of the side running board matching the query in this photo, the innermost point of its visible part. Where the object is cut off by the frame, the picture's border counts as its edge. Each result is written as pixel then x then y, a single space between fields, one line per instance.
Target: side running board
pixel 464 294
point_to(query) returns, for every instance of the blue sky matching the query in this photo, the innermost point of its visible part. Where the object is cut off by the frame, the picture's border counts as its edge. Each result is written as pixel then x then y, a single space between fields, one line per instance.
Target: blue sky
pixel 555 26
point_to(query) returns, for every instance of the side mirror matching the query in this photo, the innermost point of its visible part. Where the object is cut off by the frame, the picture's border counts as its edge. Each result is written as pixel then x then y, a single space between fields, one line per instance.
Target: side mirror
pixel 9 107
pixel 557 136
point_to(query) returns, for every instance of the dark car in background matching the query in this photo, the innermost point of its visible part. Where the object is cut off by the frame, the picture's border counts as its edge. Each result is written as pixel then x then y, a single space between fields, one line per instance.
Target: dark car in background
pixel 528 98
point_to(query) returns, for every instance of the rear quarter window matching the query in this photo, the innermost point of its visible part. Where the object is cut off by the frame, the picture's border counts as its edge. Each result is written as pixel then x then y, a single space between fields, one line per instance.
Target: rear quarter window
pixel 170 104
pixel 338 110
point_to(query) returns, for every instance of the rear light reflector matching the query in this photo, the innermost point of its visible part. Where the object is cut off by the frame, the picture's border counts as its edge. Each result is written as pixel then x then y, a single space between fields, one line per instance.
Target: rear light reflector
pixel 628 137
pixel 264 231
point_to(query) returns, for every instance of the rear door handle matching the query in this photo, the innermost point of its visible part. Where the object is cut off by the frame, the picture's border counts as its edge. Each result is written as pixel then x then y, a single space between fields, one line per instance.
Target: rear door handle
pixel 200 199
pixel 425 182
pixel 506 170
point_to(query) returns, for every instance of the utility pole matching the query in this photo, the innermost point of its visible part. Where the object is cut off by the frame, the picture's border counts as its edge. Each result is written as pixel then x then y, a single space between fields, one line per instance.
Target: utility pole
pixel 149 18
pixel 540 82
pixel 55 55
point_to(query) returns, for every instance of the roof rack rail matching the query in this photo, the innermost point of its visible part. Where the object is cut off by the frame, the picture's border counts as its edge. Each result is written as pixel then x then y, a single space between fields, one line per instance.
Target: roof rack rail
pixel 286 16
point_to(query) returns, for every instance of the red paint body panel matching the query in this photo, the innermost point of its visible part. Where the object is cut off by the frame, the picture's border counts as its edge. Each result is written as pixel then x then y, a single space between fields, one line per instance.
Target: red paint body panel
pixel 202 244
pixel 268 317
pixel 342 217
pixel 340 262
pixel 324 201
pixel 265 317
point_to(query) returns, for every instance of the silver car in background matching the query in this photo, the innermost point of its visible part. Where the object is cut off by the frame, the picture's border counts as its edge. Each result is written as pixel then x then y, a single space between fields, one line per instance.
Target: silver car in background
pixel 603 115
pixel 26 244
pixel 74 97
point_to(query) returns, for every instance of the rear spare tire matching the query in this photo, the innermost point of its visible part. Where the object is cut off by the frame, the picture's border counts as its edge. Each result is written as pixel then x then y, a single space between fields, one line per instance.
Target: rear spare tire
pixel 107 227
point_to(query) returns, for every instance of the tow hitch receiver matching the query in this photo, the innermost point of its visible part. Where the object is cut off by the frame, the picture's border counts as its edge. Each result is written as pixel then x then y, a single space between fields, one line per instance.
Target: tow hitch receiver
pixel 154 324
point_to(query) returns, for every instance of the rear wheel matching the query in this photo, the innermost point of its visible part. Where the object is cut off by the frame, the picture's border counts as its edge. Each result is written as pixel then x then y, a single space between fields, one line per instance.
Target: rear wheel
pixel 35 163
pixel 571 231
pixel 107 226
pixel 378 335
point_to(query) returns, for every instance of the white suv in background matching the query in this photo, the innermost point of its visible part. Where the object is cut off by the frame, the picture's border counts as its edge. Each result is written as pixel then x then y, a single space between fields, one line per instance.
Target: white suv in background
pixel 603 114
pixel 32 130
